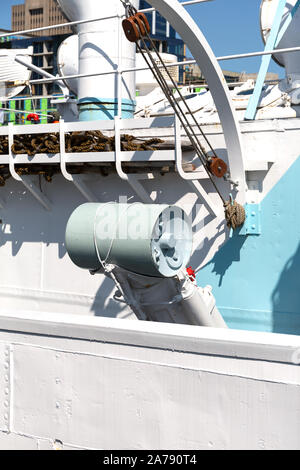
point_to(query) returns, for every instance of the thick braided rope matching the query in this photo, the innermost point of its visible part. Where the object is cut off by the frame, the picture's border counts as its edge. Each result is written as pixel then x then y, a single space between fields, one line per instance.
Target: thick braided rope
pixel 235 214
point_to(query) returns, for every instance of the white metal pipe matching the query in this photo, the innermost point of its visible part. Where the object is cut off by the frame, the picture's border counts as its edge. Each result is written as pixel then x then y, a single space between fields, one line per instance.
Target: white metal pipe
pixel 49 28
pixel 43 73
pixel 99 50
pixel 34 98
pixel 82 75
pixel 23 112
pixel 185 4
pixel 174 64
pixel 91 20
pixel 256 54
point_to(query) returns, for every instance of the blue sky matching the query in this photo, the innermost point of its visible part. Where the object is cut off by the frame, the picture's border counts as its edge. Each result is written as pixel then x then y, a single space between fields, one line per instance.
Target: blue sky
pixel 230 26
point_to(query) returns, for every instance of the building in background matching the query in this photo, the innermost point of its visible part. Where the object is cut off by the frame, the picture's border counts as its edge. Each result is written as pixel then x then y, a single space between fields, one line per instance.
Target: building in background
pixel 35 14
pixel 164 36
pixel 7 39
pixel 42 13
pixel 44 56
pixel 39 14
pixel 194 76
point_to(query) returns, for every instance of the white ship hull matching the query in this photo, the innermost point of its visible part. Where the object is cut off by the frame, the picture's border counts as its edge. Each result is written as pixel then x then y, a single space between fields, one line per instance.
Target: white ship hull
pixel 74 373
pixel 73 383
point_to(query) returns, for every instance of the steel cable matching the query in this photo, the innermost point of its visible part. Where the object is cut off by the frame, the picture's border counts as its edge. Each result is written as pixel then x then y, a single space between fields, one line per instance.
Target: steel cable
pixel 131 11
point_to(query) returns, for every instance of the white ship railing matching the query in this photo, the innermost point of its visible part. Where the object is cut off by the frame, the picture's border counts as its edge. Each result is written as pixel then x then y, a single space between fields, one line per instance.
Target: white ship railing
pixel 173 64
pixel 117 157
pixel 118 71
pixel 116 126
pixel 91 20
pixel 113 72
pixel 136 69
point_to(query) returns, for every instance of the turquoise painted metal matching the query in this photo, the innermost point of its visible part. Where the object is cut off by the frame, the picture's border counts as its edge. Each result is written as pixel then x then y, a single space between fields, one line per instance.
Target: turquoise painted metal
pixel 96 109
pixel 152 240
pixel 256 279
pixel 254 99
pixel 252 225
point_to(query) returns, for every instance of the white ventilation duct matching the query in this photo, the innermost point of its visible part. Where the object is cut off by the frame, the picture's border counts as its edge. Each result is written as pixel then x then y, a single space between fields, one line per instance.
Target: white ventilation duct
pixel 68 65
pixel 99 52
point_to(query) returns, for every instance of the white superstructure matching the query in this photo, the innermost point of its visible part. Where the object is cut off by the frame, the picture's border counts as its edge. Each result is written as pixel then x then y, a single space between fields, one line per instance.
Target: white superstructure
pixel 101 48
pixel 74 372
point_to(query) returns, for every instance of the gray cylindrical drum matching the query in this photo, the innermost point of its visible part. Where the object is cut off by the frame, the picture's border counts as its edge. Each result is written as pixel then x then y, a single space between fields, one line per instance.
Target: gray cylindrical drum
pixel 153 240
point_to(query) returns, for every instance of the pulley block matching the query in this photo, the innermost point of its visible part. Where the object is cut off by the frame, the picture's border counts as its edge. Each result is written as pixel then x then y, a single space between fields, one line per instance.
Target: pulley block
pixel 143 18
pixel 217 167
pixel 136 27
pixel 131 30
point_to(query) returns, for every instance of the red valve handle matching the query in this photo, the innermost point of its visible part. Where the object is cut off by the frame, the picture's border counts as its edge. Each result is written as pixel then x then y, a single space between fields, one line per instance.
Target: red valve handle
pixel 32 117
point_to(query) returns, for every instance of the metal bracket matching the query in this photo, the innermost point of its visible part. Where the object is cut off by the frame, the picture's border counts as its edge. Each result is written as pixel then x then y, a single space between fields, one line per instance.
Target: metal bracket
pixel 191 177
pixel 75 179
pixel 252 225
pixel 26 180
pixel 130 179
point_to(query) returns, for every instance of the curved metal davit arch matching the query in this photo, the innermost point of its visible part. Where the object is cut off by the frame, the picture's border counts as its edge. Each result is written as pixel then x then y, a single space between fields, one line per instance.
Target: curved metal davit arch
pixel 191 34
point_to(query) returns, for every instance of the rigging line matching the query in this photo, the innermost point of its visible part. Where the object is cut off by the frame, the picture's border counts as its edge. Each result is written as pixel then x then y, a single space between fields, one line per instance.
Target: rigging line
pixel 168 94
pixel 181 96
pixel 173 102
pixel 132 10
pixel 170 97
pixel 181 114
pixel 187 127
pixel 23 112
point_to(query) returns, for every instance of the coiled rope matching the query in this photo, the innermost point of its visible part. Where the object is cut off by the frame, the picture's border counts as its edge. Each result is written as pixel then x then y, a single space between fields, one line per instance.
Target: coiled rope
pixel 235 214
